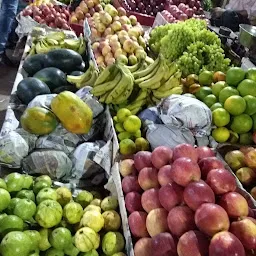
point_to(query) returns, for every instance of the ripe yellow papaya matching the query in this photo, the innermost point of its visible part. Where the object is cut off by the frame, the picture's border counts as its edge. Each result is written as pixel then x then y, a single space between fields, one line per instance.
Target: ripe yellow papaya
pixel 74 114
pixel 38 121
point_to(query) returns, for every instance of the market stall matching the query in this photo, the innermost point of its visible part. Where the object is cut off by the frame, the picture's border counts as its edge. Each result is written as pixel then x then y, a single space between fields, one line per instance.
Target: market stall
pixel 130 131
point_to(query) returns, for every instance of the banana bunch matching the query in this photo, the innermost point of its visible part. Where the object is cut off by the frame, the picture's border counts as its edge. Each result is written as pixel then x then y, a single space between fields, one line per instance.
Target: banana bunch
pixel 171 86
pixel 86 79
pixel 114 85
pixel 155 74
pixel 139 102
pixel 57 40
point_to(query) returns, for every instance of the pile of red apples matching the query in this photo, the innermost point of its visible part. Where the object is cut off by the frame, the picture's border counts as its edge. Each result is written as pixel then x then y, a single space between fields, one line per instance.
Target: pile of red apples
pixel 183 202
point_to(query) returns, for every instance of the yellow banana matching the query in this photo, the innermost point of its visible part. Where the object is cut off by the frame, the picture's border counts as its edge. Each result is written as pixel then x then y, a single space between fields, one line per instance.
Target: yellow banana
pixel 172 82
pixel 144 78
pixel 149 60
pixel 158 76
pixel 155 86
pixel 125 81
pixel 105 87
pixel 175 90
pixel 148 70
pixel 51 41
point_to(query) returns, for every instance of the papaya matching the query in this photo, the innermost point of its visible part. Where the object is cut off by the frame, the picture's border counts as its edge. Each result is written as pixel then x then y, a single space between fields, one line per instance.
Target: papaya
pixel 74 114
pixel 39 121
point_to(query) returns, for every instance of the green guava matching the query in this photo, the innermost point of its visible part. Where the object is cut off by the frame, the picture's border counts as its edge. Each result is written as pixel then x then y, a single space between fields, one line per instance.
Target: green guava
pixel 109 203
pixel 96 202
pixel 3 184
pixel 40 185
pixel 2 215
pixel 90 253
pixel 92 208
pixel 11 206
pixel 112 220
pixel 96 195
pixel 73 212
pixel 84 198
pixel 34 237
pixel 14 182
pixel 26 194
pixel 48 214
pixel 28 182
pixel 44 243
pixel 93 220
pixel 71 250
pixel 112 242
pixel 10 223
pixel 60 238
pixel 25 209
pixel 5 199
pixel 46 193
pixel 44 178
pixel 34 253
pixel 86 239
pixel 15 243
pixel 54 252
pixel 64 195
pixel 119 254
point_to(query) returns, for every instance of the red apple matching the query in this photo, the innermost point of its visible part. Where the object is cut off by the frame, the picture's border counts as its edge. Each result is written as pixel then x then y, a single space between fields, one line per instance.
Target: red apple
pixel 163 244
pixel 250 158
pixel 226 244
pixel 184 170
pixel 127 167
pixel 150 199
pixel 211 219
pixel 221 181
pixel 131 184
pixel 161 156
pixel 185 150
pixel 156 222
pixel 180 220
pixel 143 247
pixel 203 152
pixel 164 175
pixel 209 163
pixel 142 159
pixel 196 193
pixel 193 243
pixel 245 231
pixel 137 224
pixel 148 178
pixel 170 195
pixel 234 204
pixel 133 202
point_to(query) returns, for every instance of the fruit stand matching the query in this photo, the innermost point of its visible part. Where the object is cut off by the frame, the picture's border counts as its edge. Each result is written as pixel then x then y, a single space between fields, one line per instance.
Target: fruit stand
pixel 126 139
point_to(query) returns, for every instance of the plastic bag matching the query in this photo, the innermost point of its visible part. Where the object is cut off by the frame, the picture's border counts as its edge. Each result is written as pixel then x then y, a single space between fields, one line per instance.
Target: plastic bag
pixel 13 148
pixel 28 137
pixel 59 139
pixel 43 101
pixel 84 166
pixel 54 163
pixel 185 112
pixel 162 135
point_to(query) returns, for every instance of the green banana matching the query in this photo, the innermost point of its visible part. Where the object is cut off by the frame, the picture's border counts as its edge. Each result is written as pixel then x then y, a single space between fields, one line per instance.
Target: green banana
pixel 103 97
pixel 73 44
pixel 82 47
pixel 125 81
pixel 107 86
pixel 135 67
pixel 51 41
pixel 91 81
pixel 142 94
pixel 154 99
pixel 155 86
pixel 149 60
pixel 148 70
pixel 59 36
pixel 151 74
pixel 135 110
pixel 172 68
pixel 78 81
pixel 143 66
pixel 105 74
pixel 173 81
pixel 136 104
pixel 158 76
pixel 175 90
pixel 43 47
